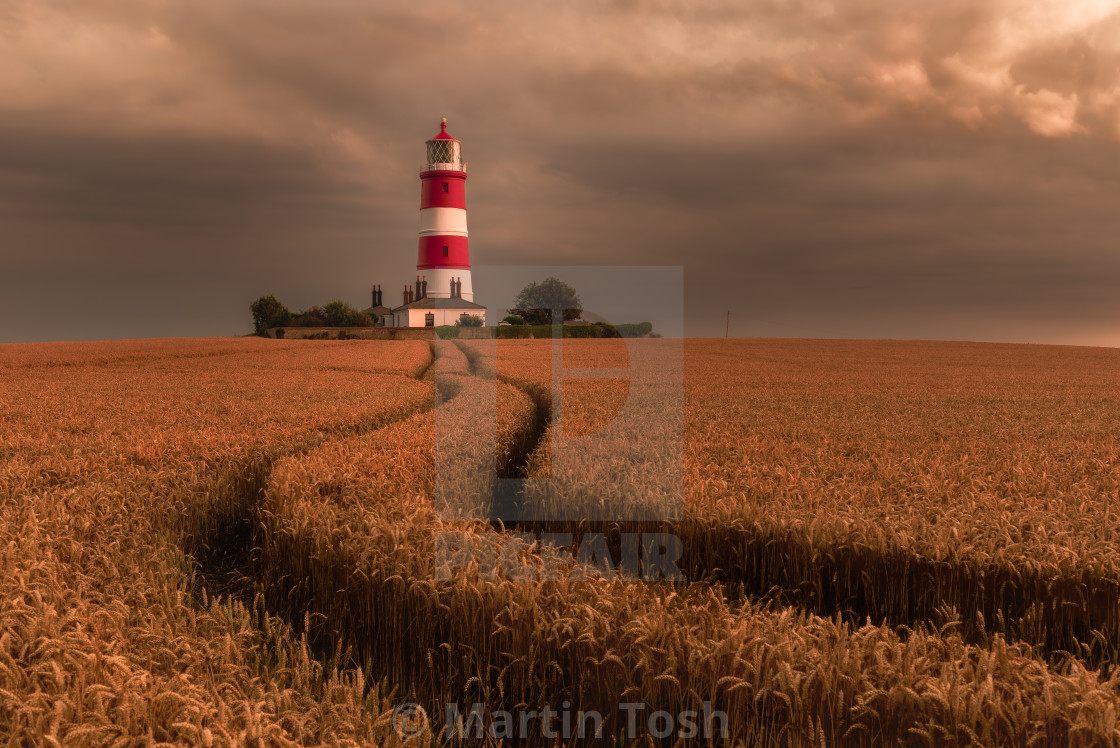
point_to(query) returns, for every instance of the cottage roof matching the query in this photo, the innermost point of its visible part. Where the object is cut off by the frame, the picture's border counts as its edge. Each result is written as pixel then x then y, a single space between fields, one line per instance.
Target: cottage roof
pixel 441 302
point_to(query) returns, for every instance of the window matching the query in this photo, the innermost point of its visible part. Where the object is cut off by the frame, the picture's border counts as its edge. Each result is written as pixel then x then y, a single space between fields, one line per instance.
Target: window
pixel 444 152
pixel 441 152
pixel 429 320
pixel 445 188
pixel 445 250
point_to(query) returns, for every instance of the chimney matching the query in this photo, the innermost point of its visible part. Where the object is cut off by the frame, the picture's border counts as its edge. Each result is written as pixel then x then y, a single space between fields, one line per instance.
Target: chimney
pixel 458 288
pixel 377 296
pixel 374 294
pixel 424 287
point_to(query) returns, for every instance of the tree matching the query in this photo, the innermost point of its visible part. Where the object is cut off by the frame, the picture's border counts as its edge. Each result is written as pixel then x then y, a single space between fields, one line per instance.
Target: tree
pixel 268 312
pixel 337 313
pixel 513 319
pixel 469 320
pixel 340 314
pixel 537 301
pixel 312 317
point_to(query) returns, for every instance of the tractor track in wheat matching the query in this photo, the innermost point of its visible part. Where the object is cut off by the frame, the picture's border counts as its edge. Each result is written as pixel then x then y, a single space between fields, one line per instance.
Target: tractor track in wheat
pixel 222 546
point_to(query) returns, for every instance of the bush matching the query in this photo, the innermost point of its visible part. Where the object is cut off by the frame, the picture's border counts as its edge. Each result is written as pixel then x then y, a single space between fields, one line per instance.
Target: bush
pixel 590 331
pixel 514 331
pixel 635 331
pixel 334 314
pixel 340 314
pixel 313 317
pixel 447 332
pixel 567 331
pixel 360 319
pixel 514 319
pixel 470 320
pixel 268 312
pixel 525 331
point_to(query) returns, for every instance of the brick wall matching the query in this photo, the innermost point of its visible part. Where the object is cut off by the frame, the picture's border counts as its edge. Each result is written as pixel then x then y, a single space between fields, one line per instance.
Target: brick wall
pixel 377 333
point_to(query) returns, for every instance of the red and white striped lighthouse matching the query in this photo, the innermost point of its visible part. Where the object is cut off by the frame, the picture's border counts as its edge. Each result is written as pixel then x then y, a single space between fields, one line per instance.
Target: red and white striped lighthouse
pixel 443 258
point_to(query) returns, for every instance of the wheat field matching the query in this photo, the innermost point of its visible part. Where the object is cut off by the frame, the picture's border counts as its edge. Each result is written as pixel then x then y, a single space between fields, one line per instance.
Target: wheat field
pixel 229 542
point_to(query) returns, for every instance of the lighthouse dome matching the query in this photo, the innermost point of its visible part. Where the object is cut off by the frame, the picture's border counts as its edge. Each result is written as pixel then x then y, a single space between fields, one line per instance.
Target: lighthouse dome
pixel 443 134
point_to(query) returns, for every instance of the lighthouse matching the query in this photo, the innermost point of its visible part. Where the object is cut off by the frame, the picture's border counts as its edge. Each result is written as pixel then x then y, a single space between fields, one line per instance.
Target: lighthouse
pixel 443 292
pixel 443 257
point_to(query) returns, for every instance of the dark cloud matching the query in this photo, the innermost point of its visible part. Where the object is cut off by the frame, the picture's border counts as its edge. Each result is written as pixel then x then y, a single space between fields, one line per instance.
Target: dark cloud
pixel 855 169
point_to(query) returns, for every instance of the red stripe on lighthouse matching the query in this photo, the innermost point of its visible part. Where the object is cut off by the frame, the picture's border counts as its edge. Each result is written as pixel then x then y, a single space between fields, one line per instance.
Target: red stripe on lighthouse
pixel 443 189
pixel 431 254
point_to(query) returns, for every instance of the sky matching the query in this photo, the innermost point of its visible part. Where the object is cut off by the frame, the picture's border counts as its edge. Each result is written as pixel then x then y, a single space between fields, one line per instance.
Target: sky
pixel 863 169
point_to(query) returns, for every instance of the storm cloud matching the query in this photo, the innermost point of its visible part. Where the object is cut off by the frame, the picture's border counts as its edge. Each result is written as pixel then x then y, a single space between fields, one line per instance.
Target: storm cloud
pixel 858 169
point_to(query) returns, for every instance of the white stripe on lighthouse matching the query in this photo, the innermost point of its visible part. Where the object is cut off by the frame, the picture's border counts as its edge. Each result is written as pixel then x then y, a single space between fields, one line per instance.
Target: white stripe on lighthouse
pixel 449 221
pixel 439 282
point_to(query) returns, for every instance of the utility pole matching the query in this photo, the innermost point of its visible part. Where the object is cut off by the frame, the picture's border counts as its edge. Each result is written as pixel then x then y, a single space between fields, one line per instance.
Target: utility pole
pixel 727 328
